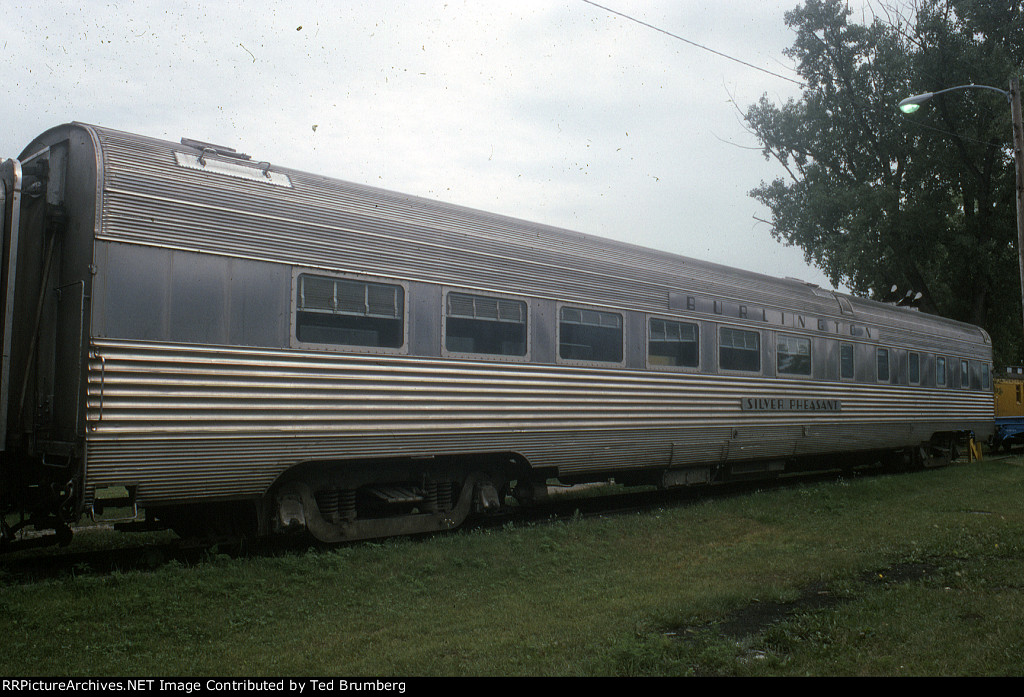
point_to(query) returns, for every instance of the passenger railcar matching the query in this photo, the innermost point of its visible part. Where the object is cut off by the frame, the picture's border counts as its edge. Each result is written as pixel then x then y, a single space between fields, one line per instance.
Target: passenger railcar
pixel 225 342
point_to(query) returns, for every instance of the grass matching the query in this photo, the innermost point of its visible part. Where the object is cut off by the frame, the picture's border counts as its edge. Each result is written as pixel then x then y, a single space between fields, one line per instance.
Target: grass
pixel 917 574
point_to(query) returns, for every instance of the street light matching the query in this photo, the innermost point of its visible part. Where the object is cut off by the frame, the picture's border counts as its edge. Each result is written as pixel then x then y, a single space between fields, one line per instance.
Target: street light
pixel 912 104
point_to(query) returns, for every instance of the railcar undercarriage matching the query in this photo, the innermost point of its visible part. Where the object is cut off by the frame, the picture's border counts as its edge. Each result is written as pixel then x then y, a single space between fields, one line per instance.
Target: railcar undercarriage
pixel 343 502
pixel 37 495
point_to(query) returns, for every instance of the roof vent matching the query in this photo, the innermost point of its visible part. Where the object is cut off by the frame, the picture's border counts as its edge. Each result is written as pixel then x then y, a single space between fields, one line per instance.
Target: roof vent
pixel 213 149
pixel 219 159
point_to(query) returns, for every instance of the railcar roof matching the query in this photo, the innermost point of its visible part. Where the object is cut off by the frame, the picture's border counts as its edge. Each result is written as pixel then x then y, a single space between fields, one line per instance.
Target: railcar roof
pixel 252 209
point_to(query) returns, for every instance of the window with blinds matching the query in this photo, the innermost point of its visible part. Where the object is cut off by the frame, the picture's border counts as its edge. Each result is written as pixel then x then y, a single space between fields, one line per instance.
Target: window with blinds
pixel 673 343
pixel 349 312
pixel 793 355
pixel 485 325
pixel 589 335
pixel 739 350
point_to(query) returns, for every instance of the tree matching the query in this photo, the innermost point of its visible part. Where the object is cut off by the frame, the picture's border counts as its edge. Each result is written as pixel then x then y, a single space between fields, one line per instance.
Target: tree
pixel 877 198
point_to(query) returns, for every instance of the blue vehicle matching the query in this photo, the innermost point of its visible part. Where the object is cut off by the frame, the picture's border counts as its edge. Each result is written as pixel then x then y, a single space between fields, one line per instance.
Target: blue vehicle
pixel 1009 409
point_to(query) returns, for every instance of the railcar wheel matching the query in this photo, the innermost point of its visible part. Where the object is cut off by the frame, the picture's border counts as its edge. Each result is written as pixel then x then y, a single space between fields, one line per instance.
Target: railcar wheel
pixel 439 506
pixel 940 451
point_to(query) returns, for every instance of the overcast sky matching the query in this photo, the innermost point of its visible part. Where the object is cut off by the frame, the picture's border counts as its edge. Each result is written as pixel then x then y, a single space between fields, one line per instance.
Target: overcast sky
pixel 554 111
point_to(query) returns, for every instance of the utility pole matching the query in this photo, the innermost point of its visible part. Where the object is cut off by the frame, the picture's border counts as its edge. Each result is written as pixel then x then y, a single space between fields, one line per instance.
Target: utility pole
pixel 1018 156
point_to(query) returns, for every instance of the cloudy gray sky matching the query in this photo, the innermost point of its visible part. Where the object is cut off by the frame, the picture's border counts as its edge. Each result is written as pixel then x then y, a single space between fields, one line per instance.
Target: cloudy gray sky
pixel 555 111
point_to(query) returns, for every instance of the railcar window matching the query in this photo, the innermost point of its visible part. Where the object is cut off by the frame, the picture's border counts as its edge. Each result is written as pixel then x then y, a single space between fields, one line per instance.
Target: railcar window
pixel 914 368
pixel 965 374
pixel 793 354
pixel 589 335
pixel 984 377
pixel 940 371
pixel 882 359
pixel 673 343
pixel 739 350
pixel 481 324
pixel 348 312
pixel 846 361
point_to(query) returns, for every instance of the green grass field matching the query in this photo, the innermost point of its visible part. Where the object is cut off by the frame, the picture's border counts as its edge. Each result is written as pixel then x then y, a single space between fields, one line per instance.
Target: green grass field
pixel 911 574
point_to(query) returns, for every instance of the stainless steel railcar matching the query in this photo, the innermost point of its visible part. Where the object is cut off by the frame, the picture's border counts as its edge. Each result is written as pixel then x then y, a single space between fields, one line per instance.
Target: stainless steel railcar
pixel 227 342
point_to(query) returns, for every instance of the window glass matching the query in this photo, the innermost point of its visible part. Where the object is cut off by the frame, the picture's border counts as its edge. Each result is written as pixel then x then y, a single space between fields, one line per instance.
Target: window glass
pixel 348 312
pixel 739 350
pixel 481 324
pixel 793 355
pixel 589 335
pixel 984 377
pixel 940 371
pixel 882 359
pixel 846 361
pixel 914 368
pixel 673 343
pixel 965 374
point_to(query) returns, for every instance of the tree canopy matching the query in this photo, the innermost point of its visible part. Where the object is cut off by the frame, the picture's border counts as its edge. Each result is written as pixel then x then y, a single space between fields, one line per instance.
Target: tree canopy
pixel 924 201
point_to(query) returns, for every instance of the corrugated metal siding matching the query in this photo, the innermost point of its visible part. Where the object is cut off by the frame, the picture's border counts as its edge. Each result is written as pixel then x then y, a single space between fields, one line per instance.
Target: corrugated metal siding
pixel 194 421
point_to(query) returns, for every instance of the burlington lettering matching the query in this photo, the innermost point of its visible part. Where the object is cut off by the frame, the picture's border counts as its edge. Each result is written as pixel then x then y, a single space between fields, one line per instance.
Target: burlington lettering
pixel 782 318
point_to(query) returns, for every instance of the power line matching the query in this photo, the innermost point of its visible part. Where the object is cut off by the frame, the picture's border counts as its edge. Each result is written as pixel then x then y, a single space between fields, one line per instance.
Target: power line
pixel 923 126
pixel 694 43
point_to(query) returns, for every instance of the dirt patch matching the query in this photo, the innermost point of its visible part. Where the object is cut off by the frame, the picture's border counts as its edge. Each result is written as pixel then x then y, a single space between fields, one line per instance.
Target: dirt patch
pixel 901 573
pixel 759 616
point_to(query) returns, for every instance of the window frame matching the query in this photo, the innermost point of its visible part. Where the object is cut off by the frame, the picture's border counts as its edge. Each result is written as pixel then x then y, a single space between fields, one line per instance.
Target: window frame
pixel 298 272
pixel 560 307
pixel 759 350
pixel 879 350
pixel 446 352
pixel 664 366
pixel 853 361
pixel 810 356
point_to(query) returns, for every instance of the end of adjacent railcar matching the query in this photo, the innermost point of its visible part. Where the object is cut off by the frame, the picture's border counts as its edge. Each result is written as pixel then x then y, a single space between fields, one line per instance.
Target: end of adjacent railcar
pixel 11 181
pixel 48 199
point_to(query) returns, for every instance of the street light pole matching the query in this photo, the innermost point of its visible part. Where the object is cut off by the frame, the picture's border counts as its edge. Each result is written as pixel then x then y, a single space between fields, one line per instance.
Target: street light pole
pixel 912 104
